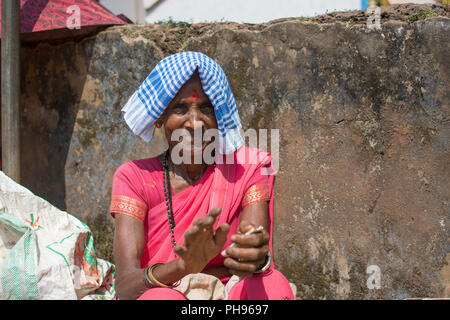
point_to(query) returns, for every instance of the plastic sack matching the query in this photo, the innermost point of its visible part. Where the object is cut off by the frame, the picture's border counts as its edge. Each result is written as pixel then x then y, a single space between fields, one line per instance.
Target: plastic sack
pixel 46 253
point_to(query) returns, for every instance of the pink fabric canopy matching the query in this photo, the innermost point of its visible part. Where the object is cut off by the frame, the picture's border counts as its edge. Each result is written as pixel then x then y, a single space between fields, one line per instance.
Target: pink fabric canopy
pixel 64 18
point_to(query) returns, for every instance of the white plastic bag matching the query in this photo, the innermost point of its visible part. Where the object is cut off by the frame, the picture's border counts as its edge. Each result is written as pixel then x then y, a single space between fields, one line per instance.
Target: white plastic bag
pixel 46 253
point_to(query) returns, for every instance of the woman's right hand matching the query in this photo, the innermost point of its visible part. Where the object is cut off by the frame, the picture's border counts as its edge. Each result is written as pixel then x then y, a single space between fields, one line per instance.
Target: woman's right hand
pixel 201 245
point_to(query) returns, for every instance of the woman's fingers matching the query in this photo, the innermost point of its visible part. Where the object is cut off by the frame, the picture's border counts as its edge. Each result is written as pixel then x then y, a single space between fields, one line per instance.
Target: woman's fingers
pixel 202 231
pixel 208 220
pixel 215 213
pixel 252 240
pixel 180 250
pixel 221 234
pixel 242 269
pixel 204 224
pixel 245 226
pixel 191 235
pixel 248 254
pixel 244 262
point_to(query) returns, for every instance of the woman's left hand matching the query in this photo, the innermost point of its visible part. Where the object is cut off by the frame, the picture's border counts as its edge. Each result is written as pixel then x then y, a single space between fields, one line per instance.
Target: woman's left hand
pixel 250 251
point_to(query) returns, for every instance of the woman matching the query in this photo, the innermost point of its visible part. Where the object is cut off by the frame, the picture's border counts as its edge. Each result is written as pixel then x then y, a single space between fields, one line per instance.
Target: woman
pixel 173 219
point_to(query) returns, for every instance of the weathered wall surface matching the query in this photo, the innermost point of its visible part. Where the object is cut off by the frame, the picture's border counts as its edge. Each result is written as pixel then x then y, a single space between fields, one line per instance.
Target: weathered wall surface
pixel 364 139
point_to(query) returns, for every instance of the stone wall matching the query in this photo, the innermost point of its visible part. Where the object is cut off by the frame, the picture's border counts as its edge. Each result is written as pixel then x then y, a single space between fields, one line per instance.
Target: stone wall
pixel 364 138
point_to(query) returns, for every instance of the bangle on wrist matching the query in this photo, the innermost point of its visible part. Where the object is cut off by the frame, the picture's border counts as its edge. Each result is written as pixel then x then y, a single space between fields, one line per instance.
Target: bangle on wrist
pixel 150 280
pixel 266 265
pixel 148 283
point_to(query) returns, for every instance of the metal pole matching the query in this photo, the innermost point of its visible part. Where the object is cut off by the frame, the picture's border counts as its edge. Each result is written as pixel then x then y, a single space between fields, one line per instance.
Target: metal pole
pixel 11 88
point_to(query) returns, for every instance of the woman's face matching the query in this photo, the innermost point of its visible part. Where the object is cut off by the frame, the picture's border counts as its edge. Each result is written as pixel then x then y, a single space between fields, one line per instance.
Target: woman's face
pixel 192 111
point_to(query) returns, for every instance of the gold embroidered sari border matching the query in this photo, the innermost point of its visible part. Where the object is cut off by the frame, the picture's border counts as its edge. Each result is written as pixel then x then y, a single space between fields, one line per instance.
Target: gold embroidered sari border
pixel 256 193
pixel 128 206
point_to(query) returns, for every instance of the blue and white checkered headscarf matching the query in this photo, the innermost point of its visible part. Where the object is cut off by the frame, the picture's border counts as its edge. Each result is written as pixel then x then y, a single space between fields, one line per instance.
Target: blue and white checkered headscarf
pixel 153 96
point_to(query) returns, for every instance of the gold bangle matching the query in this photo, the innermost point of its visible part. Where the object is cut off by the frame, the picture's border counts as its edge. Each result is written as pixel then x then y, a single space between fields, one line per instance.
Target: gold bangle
pixel 151 277
pixel 148 283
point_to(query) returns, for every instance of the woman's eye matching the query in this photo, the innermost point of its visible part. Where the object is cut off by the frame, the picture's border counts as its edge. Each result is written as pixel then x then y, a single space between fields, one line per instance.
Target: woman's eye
pixel 180 109
pixel 207 109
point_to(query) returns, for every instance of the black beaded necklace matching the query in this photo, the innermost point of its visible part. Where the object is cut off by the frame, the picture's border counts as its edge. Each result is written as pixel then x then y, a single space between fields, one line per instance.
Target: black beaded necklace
pixel 168 197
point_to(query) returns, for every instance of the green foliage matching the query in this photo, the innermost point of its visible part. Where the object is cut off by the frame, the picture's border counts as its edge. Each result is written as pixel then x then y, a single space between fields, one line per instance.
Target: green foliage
pixel 173 23
pixel 382 3
pixel 425 13
pixel 176 35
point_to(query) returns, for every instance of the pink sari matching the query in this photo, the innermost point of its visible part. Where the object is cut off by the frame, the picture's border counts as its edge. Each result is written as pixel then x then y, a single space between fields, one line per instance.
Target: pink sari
pixel 138 191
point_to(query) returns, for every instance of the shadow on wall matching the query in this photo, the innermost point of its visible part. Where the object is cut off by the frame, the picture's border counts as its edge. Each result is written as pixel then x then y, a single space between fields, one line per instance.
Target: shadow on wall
pixel 50 96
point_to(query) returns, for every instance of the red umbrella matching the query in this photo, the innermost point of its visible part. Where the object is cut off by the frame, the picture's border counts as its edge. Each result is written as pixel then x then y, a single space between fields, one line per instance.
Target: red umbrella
pixel 66 18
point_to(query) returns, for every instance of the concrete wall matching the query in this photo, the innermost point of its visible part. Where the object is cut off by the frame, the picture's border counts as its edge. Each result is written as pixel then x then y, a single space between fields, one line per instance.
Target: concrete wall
pixel 364 127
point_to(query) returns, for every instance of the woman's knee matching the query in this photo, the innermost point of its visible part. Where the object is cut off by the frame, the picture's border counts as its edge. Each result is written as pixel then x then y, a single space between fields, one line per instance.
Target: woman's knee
pixel 271 285
pixel 162 294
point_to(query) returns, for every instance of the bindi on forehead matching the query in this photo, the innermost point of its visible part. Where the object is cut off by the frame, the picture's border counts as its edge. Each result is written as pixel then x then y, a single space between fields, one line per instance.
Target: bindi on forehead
pixel 194 94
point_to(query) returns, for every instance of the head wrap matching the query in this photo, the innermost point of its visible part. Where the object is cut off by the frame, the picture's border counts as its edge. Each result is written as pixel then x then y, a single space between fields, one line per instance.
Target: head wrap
pixel 156 92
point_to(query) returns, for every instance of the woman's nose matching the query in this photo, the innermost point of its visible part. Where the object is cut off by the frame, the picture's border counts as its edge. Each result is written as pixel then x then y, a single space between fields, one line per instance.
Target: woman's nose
pixel 194 119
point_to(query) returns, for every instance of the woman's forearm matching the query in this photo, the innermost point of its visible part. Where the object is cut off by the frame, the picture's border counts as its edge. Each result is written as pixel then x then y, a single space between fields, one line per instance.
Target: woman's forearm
pixel 130 283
